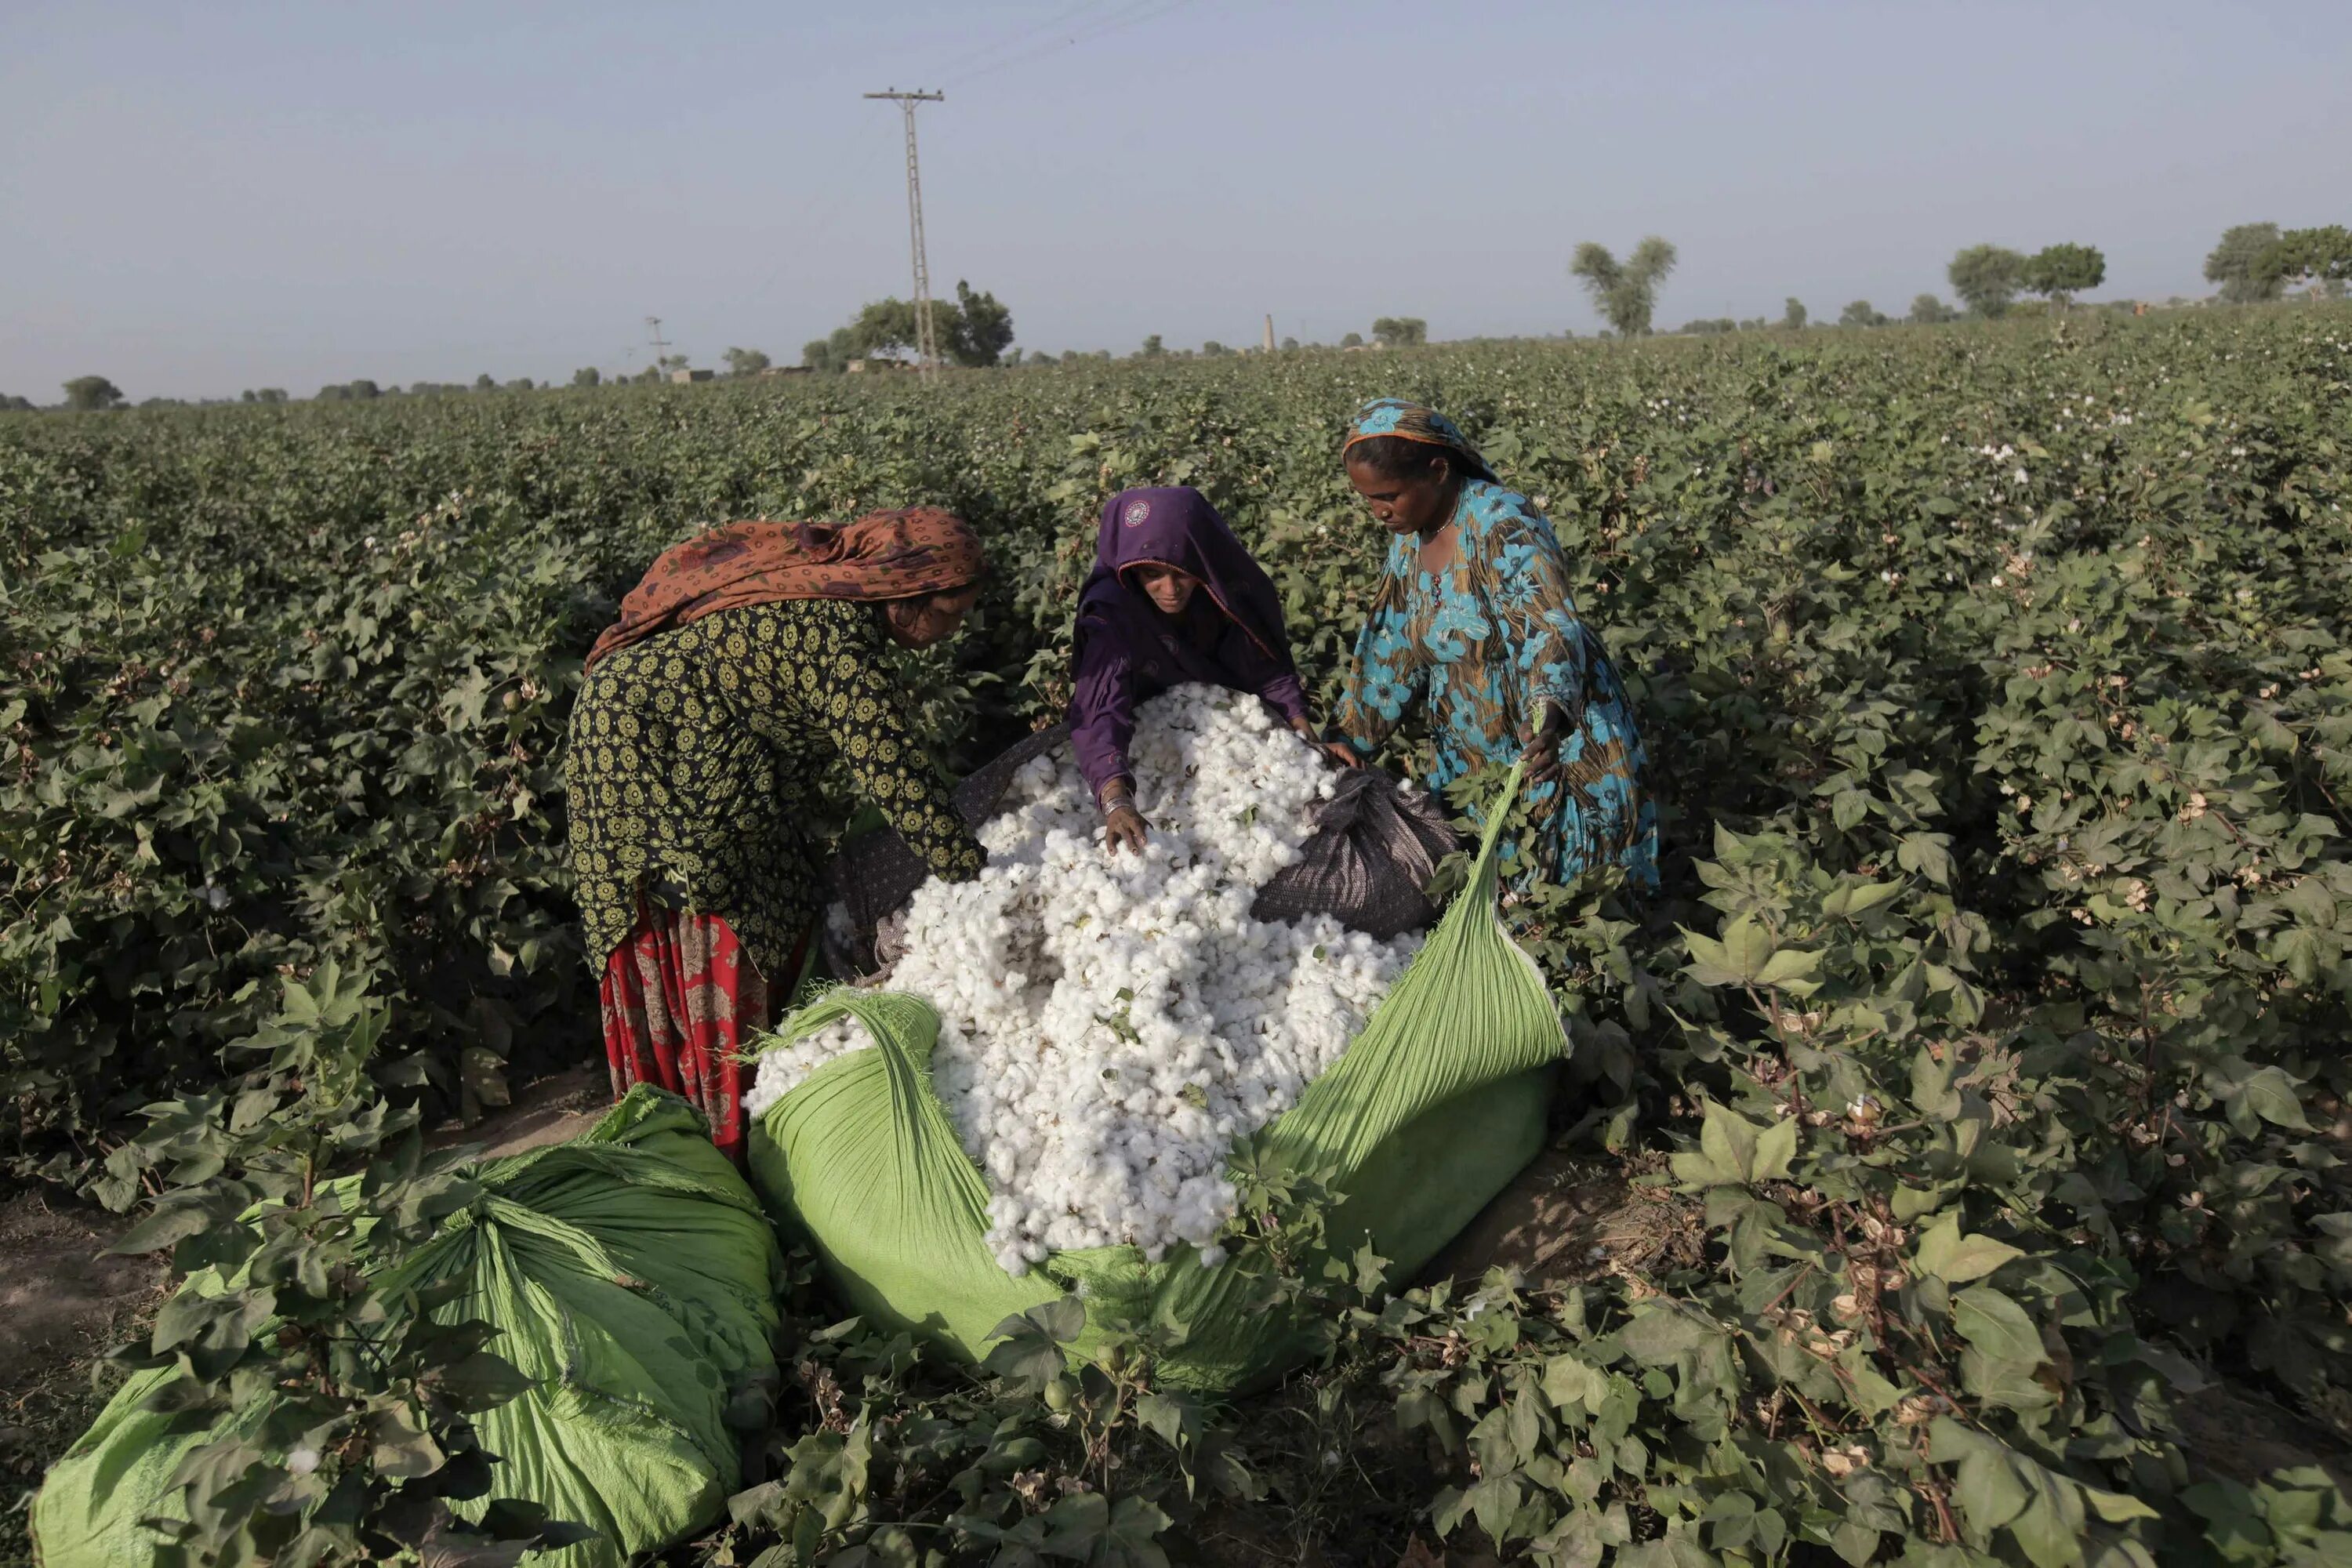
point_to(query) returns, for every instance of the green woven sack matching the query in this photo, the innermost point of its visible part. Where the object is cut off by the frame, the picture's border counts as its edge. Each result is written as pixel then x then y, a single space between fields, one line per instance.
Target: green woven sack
pixel 1430 1112
pixel 636 1279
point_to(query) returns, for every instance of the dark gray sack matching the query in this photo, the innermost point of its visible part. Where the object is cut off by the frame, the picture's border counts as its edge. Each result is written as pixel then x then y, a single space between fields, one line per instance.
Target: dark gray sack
pixel 1375 846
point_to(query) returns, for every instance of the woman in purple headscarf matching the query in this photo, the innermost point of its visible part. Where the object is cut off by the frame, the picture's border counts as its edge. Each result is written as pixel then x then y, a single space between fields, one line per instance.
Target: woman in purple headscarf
pixel 1173 598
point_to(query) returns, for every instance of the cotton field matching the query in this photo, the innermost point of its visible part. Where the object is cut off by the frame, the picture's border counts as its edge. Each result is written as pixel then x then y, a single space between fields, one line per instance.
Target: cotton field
pixel 1109 1024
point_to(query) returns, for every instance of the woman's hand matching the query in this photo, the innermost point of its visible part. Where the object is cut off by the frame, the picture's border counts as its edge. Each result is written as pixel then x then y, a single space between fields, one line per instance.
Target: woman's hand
pixel 1124 827
pixel 1541 753
pixel 1122 824
pixel 1338 753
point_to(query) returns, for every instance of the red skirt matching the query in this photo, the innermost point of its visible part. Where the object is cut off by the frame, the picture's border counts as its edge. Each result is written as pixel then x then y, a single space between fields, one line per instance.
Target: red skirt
pixel 681 1000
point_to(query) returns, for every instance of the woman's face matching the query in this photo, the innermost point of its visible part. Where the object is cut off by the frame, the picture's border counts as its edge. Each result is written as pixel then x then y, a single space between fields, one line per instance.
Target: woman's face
pixel 1166 587
pixel 927 618
pixel 1422 501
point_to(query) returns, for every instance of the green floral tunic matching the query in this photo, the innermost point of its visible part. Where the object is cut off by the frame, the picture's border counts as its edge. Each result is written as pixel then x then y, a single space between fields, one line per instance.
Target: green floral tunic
pixel 693 755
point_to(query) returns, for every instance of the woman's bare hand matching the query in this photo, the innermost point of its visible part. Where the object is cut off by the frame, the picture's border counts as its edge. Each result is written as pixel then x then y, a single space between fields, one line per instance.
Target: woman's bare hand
pixel 1541 754
pixel 1123 826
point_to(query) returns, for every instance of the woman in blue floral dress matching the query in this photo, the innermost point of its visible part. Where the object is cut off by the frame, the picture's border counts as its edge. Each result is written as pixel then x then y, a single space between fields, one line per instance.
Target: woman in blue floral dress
pixel 1473 617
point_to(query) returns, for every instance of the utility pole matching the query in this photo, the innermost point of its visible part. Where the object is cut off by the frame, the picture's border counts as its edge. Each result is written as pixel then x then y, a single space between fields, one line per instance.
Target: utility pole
pixel 1269 331
pixel 660 344
pixel 926 348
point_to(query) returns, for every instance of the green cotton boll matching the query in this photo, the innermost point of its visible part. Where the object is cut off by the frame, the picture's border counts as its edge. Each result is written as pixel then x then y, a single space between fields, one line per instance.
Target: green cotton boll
pixel 1430 1112
pixel 635 1281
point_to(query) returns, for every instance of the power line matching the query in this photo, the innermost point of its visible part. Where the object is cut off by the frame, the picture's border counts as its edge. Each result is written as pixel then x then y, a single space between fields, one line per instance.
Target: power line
pixel 928 346
pixel 1119 21
pixel 970 60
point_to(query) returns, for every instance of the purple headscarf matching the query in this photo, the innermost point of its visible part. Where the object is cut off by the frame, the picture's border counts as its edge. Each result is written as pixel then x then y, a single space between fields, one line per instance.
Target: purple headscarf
pixel 1129 651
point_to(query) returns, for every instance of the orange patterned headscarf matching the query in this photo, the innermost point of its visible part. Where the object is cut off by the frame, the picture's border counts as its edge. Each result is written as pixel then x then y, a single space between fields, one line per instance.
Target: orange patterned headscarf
pixel 882 555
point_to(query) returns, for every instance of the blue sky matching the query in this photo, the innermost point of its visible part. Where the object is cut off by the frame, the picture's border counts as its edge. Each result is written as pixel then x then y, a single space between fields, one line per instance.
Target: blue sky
pixel 202 198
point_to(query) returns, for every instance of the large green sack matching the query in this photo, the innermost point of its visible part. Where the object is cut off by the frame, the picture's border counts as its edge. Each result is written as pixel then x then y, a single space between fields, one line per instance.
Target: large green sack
pixel 636 1279
pixel 1431 1112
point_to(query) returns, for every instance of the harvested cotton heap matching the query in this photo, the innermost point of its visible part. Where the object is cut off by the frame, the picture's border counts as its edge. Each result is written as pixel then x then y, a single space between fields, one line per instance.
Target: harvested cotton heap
pixel 1110 1024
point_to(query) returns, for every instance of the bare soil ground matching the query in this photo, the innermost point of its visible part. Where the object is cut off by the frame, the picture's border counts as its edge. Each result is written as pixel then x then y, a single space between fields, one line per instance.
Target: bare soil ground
pixel 62 1307
pixel 546 1111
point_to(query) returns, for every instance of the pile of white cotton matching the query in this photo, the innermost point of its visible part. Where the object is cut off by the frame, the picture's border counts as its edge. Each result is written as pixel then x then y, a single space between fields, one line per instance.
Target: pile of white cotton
pixel 1110 1024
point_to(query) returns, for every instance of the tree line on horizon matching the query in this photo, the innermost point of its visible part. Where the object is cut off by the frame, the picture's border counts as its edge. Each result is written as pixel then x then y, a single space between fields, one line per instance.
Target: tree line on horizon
pixel 2253 263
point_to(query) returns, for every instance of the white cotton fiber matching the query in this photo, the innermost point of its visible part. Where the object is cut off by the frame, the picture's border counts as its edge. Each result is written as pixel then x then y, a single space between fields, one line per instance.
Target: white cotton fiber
pixel 1110 1024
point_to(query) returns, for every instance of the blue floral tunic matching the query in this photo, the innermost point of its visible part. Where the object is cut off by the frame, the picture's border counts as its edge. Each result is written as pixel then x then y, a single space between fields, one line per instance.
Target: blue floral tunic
pixel 1487 642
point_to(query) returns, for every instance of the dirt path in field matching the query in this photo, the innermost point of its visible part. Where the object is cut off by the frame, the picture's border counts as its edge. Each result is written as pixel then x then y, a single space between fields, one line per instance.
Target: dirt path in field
pixel 545 1110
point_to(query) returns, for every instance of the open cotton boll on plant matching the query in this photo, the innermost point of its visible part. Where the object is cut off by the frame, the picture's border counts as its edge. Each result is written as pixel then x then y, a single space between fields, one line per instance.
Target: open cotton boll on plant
pixel 1110 1024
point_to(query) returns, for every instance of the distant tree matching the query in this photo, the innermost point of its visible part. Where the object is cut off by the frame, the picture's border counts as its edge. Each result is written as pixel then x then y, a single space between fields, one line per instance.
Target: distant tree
pixel 1711 325
pixel 2320 258
pixel 12 404
pixel 1926 310
pixel 586 376
pixel 2245 264
pixel 1793 314
pixel 364 388
pixel 974 331
pixel 1754 324
pixel 1987 278
pixel 1212 349
pixel 1860 313
pixel 649 375
pixel 483 382
pixel 246 396
pixel 521 384
pixel 86 392
pixel 977 329
pixel 335 391
pixel 1153 348
pixel 1352 341
pixel 1625 293
pixel 2059 272
pixel 1401 331
pixel 744 362
pixel 668 362
pixel 1071 356
pixel 1288 344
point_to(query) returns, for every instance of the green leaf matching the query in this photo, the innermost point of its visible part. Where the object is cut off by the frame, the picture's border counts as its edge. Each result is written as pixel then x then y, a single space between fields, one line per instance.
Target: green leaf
pixel 1660 1336
pixel 1956 1259
pixel 1774 1150
pixel 1929 854
pixel 2275 1097
pixel 164 1227
pixel 1997 1326
pixel 1174 1417
pixel 1729 1140
pixel 1789 968
pixel 1737 960
pixel 1571 1382
pixel 1986 1486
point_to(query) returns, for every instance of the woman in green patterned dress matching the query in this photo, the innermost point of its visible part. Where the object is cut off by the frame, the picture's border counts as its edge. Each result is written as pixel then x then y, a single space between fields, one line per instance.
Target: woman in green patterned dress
pixel 748 660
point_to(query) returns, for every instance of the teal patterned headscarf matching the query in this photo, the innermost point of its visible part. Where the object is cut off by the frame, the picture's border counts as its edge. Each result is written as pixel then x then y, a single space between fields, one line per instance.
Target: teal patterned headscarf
pixel 1413 422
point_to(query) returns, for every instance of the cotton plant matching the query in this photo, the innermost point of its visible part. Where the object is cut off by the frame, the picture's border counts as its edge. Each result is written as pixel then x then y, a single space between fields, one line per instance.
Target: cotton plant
pixel 1110 1024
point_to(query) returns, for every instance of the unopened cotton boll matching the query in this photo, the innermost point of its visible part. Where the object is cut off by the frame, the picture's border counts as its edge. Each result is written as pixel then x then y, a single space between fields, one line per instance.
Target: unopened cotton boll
pixel 1109 1024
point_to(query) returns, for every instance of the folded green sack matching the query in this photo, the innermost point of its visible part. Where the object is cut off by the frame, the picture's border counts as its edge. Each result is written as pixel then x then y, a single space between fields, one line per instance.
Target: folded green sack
pixel 1430 1112
pixel 636 1280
